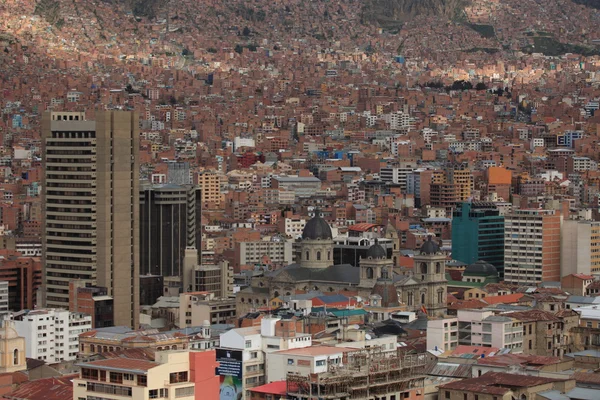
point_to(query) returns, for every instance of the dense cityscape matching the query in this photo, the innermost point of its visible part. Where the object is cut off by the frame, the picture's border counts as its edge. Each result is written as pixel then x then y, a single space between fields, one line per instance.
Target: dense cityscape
pixel 326 199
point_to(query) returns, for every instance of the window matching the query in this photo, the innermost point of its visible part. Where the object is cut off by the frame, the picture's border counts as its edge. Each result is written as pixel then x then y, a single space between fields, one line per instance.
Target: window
pixel 290 361
pixel 318 256
pixel 446 394
pixel 320 363
pixel 476 397
pixel 116 377
pixel 248 344
pixel 184 392
pixel 307 256
pixel 142 380
pixel 178 377
pixel 549 345
pixel 128 377
pixel 89 374
pixel 254 354
pixel 153 394
pixel 464 396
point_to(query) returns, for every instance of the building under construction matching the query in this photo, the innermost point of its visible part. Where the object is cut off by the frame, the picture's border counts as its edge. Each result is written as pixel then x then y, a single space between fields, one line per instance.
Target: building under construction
pixel 364 375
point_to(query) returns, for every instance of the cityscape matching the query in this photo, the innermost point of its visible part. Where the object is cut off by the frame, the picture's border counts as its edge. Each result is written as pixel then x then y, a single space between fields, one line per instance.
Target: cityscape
pixel 299 200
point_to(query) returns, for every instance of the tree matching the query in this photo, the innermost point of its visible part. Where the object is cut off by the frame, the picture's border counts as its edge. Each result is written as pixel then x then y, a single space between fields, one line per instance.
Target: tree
pixel 246 31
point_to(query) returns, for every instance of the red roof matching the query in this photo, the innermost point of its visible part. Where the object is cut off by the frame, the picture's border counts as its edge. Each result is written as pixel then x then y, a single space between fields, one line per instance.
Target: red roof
pixel 477 350
pixel 122 363
pixel 362 227
pixel 583 276
pixel 46 388
pixel 504 299
pixel 277 388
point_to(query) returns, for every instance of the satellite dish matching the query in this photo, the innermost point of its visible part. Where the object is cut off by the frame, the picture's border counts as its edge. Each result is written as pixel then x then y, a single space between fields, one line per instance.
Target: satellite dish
pixel 368 337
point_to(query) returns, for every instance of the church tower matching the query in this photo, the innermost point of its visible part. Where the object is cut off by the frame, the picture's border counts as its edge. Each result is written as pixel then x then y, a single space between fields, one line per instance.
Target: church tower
pixel 374 265
pixel 392 233
pixel 430 272
pixel 316 249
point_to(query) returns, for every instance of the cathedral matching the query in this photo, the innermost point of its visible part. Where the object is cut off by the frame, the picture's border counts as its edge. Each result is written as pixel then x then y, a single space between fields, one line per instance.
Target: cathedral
pixel 424 289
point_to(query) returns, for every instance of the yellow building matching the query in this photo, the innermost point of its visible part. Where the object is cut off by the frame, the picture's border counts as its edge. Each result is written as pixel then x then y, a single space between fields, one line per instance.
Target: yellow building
pixel 210 184
pixel 171 376
pixel 12 349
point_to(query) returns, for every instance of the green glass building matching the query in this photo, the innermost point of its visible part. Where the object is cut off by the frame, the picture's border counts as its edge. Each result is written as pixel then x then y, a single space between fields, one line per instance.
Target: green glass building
pixel 478 234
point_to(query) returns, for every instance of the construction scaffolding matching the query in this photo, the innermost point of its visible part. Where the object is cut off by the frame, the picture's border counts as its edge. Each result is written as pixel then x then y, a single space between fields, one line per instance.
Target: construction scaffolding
pixel 364 375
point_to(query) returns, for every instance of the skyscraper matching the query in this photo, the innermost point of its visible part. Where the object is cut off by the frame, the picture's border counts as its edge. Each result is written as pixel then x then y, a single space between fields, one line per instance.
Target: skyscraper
pixel 91 207
pixel 169 218
pixel 532 246
pixel 478 234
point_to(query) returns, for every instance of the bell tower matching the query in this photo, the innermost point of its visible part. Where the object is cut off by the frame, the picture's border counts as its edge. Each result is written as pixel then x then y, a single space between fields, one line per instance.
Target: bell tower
pixel 430 271
pixel 375 264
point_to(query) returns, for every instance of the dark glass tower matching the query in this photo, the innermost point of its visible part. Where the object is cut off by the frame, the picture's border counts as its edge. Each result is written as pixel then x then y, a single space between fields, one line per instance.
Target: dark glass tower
pixel 169 223
pixel 478 234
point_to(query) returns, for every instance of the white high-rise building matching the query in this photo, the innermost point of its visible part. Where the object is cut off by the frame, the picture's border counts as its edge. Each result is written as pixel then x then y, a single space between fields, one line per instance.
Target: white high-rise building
pixel 51 335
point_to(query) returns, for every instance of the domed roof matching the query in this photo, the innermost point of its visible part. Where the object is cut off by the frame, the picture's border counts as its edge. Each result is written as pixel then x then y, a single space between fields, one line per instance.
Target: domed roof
pixel 317 228
pixel 430 247
pixel 481 268
pixel 376 251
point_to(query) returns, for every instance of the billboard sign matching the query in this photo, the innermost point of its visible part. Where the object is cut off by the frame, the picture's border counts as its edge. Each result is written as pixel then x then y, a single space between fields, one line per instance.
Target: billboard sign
pixel 230 371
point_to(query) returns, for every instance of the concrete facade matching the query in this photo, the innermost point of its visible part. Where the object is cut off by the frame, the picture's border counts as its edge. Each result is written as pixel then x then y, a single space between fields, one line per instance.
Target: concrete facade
pixel 91 213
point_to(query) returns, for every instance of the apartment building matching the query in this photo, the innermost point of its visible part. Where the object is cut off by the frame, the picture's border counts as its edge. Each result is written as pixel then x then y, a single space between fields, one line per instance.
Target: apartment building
pixel 532 246
pixel 483 328
pixel 546 333
pixel 91 207
pixel 276 249
pixel 210 183
pixel 181 375
pixel 51 335
pixel 197 307
pixel 580 247
pixel 248 346
pixel 442 334
pixel 304 361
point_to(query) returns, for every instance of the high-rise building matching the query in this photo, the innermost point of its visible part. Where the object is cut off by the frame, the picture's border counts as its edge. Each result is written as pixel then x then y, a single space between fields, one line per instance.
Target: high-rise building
pixel 580 247
pixel 170 217
pixel 91 207
pixel 478 234
pixel 532 246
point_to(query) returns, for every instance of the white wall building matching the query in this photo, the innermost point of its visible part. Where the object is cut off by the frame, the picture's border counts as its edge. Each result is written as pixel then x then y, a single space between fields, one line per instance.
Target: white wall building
pixel 51 335
pixel 442 334
pixel 305 361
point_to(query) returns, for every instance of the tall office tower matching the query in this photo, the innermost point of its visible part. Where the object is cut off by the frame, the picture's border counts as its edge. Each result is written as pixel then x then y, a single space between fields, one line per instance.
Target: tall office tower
pixel 91 208
pixel 178 173
pixel 169 219
pixel 532 246
pixel 478 234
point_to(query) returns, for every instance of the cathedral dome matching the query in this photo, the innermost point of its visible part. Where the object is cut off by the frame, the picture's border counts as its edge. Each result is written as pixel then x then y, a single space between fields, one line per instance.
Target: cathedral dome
pixel 376 251
pixel 317 228
pixel 481 268
pixel 430 247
